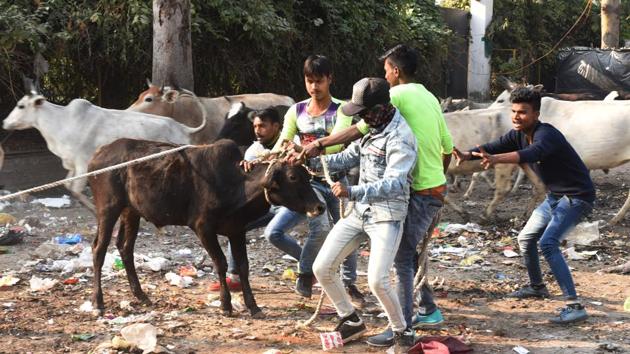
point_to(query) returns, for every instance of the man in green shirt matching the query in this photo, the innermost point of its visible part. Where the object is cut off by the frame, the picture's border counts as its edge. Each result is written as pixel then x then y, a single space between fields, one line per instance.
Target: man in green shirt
pixel 423 114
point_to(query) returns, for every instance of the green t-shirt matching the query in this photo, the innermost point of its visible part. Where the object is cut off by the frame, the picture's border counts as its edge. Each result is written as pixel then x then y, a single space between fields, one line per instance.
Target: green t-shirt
pixel 422 112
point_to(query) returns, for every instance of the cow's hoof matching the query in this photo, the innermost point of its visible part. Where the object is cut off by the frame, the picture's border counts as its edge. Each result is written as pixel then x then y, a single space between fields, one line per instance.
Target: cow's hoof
pixel 258 314
pixel 227 313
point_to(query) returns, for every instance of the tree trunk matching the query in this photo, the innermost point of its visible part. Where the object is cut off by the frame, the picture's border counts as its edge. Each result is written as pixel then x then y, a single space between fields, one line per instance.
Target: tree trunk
pixel 610 23
pixel 172 52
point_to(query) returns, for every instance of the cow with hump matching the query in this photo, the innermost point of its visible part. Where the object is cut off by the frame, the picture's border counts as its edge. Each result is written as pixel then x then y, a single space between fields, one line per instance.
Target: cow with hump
pixel 202 187
pixel 187 112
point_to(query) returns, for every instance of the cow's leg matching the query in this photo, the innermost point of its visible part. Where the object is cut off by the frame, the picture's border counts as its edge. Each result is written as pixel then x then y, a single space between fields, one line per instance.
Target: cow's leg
pixel 622 212
pixel 76 188
pixel 539 188
pixel 459 210
pixel 519 180
pixel 106 221
pixel 473 180
pixel 210 242
pixel 503 182
pixel 486 177
pixel 239 251
pixel 129 223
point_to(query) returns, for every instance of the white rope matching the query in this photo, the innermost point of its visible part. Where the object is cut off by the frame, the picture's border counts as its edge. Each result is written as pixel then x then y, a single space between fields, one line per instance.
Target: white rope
pixel 94 173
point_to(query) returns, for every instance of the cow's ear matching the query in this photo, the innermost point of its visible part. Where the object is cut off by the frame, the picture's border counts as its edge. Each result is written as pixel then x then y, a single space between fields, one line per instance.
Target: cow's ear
pixel 251 115
pixel 538 88
pixel 39 101
pixel 271 180
pixel 170 96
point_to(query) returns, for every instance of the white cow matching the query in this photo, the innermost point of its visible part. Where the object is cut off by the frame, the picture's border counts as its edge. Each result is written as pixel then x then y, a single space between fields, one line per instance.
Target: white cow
pixel 185 110
pixel 75 131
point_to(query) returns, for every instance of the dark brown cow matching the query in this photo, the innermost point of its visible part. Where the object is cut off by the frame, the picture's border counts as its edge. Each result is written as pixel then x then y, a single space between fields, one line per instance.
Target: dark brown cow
pixel 201 187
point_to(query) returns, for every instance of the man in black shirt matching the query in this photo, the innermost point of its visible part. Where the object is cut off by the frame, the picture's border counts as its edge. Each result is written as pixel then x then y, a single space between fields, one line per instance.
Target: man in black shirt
pixel 571 195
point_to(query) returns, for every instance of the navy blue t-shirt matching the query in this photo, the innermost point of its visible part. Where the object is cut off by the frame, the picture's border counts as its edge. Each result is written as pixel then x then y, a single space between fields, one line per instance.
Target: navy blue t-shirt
pixel 551 157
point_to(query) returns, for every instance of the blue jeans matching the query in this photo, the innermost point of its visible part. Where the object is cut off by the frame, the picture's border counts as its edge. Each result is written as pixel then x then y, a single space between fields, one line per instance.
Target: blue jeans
pixel 319 227
pixel 423 210
pixel 548 225
pixel 345 237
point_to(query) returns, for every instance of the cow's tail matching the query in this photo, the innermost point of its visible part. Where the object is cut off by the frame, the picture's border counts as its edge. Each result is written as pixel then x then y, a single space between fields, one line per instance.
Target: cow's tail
pixel 204 112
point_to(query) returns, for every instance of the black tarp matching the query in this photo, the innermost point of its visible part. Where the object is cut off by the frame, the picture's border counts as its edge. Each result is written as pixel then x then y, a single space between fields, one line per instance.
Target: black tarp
pixel 582 69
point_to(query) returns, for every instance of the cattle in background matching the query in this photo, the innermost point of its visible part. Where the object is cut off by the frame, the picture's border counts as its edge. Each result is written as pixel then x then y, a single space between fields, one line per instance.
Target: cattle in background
pixel 186 112
pixel 239 123
pixel 75 131
pixel 202 187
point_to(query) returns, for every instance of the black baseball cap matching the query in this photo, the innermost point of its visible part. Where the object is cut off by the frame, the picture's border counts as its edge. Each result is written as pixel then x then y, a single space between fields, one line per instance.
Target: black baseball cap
pixel 367 93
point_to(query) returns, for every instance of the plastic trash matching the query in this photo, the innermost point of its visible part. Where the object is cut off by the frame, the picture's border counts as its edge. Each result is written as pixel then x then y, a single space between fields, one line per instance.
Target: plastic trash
pixel 510 253
pixel 626 305
pixel 83 337
pixel 273 351
pixel 468 261
pixel 289 274
pixel 155 264
pixel 520 350
pixel 62 202
pixel 69 239
pixel 118 264
pixel 7 219
pixel 268 267
pixel 8 280
pixel 141 335
pixel 331 340
pixel 86 307
pixel 188 271
pixel 180 282
pixel 38 284
pixel 71 281
pixel 458 228
pixel 12 235
pixel 583 234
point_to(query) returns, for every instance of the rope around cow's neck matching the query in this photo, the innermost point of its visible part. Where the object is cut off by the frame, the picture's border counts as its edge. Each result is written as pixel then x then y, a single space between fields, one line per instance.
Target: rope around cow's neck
pixel 94 173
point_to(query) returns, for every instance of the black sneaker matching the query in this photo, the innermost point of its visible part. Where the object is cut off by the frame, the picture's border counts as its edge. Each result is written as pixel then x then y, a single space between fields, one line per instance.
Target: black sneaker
pixel 356 297
pixel 304 285
pixel 403 341
pixel 570 314
pixel 530 291
pixel 384 339
pixel 351 327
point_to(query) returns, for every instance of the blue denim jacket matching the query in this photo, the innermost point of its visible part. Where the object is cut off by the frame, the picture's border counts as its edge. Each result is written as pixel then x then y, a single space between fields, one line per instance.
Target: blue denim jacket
pixel 386 159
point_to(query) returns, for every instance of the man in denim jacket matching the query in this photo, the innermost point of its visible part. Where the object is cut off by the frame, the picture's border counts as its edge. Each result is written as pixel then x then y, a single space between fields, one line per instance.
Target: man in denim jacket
pixel 386 155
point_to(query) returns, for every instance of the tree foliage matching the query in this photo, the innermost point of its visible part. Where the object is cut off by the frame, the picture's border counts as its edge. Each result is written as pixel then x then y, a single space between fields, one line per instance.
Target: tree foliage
pixel 102 49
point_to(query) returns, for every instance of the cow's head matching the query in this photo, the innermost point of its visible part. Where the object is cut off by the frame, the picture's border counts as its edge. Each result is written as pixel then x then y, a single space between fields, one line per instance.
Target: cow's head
pixel 289 185
pixel 156 100
pixel 238 125
pixel 24 115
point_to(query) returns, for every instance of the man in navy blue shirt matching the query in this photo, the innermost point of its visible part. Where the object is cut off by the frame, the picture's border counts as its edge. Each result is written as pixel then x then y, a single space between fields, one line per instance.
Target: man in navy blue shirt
pixel 570 197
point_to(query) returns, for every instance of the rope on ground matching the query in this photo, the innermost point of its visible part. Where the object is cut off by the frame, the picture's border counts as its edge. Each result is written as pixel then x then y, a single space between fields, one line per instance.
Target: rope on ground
pixel 94 173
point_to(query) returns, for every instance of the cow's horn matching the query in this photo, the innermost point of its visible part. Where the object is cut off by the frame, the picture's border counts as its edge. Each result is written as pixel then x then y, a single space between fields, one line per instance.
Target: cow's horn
pixel 149 82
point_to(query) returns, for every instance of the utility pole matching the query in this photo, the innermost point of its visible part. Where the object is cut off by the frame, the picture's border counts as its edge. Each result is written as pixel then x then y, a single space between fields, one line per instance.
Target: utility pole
pixel 479 51
pixel 610 23
pixel 172 49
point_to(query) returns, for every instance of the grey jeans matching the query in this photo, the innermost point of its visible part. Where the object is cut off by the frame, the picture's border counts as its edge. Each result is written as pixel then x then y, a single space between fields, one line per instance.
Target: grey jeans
pixel 344 238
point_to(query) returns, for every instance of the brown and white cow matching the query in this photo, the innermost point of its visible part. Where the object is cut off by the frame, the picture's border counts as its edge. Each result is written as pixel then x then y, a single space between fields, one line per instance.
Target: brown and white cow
pixel 202 187
pixel 185 111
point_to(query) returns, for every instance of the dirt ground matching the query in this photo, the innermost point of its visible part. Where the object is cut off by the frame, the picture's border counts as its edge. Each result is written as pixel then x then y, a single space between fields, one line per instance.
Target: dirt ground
pixel 472 297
